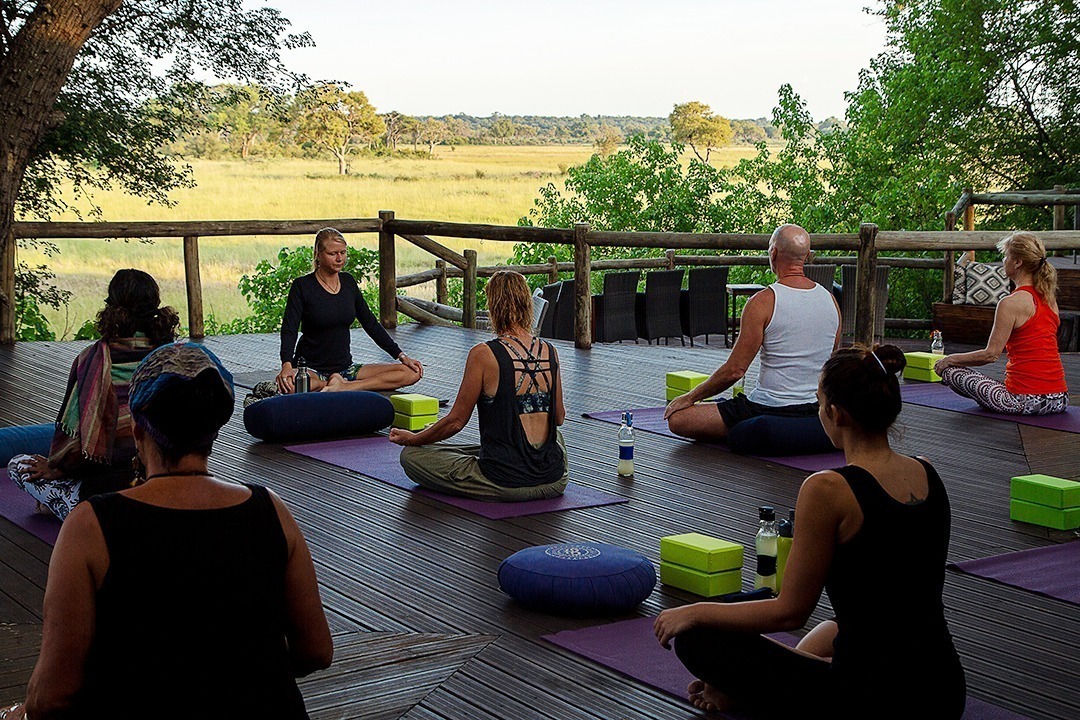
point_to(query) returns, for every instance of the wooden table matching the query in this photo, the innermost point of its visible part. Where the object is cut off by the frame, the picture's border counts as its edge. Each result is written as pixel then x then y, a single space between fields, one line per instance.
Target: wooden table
pixel 740 290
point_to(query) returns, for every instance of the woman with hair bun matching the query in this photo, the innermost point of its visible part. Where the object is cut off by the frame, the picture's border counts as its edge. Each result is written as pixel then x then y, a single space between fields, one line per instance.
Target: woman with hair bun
pixel 874 534
pixel 514 382
pixel 1025 327
pixel 92 446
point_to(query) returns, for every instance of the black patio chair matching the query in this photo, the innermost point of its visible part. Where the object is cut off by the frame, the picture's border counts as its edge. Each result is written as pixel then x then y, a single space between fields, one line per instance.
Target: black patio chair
pixel 881 299
pixel 658 307
pixel 823 275
pixel 547 323
pixel 615 309
pixel 703 306
pixel 562 325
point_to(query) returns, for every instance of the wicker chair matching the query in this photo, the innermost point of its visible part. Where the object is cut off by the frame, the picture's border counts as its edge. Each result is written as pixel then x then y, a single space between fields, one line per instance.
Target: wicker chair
pixel 615 316
pixel 881 299
pixel 658 307
pixel 547 321
pixel 562 324
pixel 703 305
pixel 823 275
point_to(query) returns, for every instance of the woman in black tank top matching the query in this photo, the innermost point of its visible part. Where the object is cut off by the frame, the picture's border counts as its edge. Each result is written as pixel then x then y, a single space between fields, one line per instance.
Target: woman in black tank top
pixel 514 382
pixel 184 595
pixel 888 652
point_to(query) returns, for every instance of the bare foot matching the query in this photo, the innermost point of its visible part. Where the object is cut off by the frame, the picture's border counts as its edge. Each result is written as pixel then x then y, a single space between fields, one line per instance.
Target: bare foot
pixel 706 697
pixel 336 383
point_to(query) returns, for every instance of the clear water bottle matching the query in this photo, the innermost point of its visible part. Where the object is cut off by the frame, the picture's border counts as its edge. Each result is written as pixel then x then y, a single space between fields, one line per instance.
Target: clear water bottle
pixel 303 380
pixel 626 445
pixel 937 346
pixel 765 546
pixel 785 530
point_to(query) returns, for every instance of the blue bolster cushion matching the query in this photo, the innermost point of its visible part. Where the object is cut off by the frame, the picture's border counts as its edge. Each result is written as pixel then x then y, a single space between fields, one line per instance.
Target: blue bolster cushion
pixel 776 436
pixel 318 416
pixel 25 440
pixel 577 578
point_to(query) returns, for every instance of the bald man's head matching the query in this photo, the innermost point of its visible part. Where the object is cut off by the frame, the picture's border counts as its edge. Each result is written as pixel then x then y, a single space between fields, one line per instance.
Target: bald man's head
pixel 791 242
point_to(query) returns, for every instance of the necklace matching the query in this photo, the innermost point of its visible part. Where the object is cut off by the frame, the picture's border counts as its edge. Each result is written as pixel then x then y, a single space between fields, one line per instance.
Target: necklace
pixel 181 473
pixel 327 286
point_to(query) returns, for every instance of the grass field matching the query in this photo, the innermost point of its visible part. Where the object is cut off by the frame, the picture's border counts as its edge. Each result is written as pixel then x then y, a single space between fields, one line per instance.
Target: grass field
pixel 482 184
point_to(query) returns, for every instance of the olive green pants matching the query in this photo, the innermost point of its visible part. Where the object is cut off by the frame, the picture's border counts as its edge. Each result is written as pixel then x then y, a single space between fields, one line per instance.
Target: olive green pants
pixel 455 470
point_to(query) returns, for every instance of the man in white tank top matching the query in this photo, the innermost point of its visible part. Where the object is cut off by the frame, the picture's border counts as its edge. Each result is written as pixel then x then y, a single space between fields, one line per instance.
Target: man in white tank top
pixel 795 325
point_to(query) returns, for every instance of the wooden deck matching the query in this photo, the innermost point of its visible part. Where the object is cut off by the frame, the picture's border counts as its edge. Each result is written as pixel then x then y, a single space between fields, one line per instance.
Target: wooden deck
pixel 421 628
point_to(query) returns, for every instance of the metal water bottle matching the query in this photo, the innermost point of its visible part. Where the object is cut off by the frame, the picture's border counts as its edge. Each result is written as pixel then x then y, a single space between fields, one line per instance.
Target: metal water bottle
pixel 937 346
pixel 303 380
pixel 765 546
pixel 626 445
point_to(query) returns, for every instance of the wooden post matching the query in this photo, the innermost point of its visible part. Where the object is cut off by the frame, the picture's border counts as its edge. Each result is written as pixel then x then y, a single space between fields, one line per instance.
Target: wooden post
pixel 1059 210
pixel 440 282
pixel 866 266
pixel 969 222
pixel 582 287
pixel 387 273
pixel 7 291
pixel 468 291
pixel 196 329
pixel 950 261
pixel 670 255
pixel 553 273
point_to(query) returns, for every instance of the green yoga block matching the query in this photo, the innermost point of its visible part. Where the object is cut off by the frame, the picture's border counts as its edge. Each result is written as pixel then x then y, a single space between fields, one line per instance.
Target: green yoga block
pixel 701 552
pixel 1046 490
pixel 413 422
pixel 700 583
pixel 921 374
pixel 685 380
pixel 1056 518
pixel 922 360
pixel 414 404
pixel 673 393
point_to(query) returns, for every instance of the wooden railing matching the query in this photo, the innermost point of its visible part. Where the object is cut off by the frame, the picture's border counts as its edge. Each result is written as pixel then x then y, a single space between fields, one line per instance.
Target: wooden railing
pixel 862 246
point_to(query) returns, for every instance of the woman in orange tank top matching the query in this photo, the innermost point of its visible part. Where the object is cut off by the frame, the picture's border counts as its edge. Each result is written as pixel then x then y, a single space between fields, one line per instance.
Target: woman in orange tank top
pixel 1025 327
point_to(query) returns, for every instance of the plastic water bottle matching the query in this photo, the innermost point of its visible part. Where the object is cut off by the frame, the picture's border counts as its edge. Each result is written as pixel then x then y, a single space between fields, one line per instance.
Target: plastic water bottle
pixel 626 445
pixel 303 380
pixel 937 346
pixel 765 546
pixel 785 530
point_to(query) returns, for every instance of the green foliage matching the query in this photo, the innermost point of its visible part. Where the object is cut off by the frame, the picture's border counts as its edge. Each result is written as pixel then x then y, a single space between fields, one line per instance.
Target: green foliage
pixel 696 125
pixel 338 122
pixel 30 324
pixel 88 331
pixel 267 289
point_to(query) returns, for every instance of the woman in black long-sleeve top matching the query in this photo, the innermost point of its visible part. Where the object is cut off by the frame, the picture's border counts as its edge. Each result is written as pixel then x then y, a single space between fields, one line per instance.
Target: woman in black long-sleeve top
pixel 322 305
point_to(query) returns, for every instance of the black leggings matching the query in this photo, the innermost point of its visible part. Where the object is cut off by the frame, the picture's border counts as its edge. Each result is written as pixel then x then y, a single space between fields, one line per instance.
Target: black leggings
pixel 768 679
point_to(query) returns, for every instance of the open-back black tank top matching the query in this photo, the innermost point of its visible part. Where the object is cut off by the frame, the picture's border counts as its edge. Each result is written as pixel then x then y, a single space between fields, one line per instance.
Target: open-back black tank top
pixel 885 585
pixel 190 617
pixel 507 458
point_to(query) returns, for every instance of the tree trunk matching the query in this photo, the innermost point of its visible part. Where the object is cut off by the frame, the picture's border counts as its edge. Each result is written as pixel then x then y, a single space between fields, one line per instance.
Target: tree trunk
pixel 342 169
pixel 32 73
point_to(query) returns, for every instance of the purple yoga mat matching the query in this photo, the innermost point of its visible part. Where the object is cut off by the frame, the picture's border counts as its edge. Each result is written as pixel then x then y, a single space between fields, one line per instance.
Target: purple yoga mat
pixel 651 419
pixel 630 647
pixel 377 457
pixel 18 507
pixel 939 396
pixel 1052 571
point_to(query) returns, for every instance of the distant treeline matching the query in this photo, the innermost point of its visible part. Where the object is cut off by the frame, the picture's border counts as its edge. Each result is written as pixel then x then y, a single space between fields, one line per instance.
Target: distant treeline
pixel 245 120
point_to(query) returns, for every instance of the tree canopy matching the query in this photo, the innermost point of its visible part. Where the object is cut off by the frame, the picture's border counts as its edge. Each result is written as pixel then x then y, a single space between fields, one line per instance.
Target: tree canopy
pixel 696 125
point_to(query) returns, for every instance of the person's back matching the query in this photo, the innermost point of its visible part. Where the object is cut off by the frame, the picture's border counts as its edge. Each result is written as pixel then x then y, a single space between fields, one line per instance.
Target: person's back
pixel 191 610
pixel 797 341
pixel 889 577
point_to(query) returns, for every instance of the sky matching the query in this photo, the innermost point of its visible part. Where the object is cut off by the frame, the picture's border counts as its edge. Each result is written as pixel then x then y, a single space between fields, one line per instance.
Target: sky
pixel 596 57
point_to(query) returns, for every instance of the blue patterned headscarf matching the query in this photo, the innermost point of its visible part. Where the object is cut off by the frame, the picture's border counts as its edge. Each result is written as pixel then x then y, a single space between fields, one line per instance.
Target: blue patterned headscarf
pixel 170 366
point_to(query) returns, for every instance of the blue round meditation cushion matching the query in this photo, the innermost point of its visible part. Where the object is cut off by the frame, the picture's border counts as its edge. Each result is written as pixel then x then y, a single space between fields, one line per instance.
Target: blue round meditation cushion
pixel 318 416
pixel 577 578
pixel 779 436
pixel 25 440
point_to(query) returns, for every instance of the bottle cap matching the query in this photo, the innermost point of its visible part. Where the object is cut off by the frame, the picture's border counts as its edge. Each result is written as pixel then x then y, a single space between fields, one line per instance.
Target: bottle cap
pixel 766 513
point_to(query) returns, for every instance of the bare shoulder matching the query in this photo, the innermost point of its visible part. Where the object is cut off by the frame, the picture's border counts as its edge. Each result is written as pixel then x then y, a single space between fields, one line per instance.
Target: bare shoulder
pixel 825 488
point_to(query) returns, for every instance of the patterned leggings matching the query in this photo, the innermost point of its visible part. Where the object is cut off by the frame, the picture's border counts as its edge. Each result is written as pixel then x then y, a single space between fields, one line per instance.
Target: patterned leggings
pixel 992 395
pixel 60 496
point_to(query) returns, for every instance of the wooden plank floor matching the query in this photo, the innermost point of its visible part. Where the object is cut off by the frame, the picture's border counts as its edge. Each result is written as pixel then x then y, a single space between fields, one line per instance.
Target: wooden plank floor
pixel 421 628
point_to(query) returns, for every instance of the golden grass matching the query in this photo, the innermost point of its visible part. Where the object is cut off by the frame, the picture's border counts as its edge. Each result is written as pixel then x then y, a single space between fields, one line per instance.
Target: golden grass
pixel 482 184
